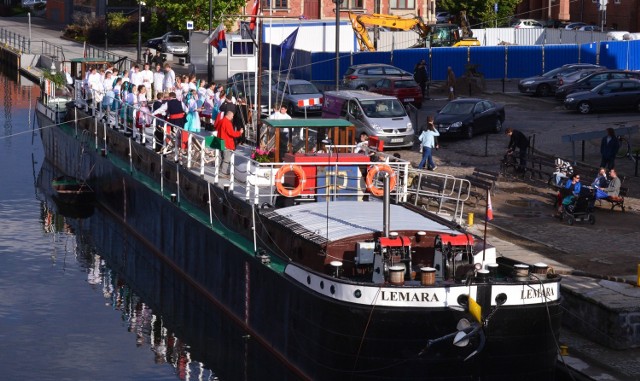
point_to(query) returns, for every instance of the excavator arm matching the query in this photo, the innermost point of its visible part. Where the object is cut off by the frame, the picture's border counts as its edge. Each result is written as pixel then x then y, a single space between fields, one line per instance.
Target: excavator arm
pixel 359 22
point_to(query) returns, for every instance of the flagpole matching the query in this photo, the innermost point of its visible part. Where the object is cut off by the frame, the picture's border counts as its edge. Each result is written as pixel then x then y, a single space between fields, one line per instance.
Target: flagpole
pixel 486 221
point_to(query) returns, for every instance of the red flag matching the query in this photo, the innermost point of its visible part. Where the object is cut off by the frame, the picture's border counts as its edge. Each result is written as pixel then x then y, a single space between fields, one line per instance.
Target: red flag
pixel 489 207
pixel 254 13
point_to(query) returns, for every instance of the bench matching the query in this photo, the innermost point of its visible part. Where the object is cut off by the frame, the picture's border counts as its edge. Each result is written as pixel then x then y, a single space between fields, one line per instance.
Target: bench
pixel 432 188
pixel 619 199
pixel 481 181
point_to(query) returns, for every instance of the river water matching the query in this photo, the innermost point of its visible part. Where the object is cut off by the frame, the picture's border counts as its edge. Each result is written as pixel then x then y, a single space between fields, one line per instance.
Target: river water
pixel 66 313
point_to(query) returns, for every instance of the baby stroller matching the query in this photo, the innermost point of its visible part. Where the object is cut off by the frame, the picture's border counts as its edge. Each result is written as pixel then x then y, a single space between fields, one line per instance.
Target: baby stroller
pixel 580 207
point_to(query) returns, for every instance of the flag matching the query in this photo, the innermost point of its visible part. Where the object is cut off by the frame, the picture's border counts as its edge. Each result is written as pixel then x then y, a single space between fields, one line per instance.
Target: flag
pixel 218 39
pixel 489 207
pixel 288 44
pixel 254 13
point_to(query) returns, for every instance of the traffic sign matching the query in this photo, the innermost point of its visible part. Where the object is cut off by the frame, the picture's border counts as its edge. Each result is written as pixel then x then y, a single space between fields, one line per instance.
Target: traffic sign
pixel 495 7
pixel 189 25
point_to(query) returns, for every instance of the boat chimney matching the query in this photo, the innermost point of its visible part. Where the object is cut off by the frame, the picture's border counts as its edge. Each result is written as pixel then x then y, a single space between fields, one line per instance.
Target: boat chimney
pixel 386 206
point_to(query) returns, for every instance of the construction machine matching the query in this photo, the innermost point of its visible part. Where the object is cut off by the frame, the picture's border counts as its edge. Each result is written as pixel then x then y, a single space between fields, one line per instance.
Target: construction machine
pixel 434 35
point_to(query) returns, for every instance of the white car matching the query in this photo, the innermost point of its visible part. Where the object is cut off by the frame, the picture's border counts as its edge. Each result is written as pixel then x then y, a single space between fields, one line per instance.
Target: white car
pixel 589 28
pixel 526 24
pixel 443 16
pixel 575 25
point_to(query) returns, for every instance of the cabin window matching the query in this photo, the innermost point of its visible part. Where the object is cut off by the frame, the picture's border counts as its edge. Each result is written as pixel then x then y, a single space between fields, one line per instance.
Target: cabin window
pixel 356 4
pixel 402 4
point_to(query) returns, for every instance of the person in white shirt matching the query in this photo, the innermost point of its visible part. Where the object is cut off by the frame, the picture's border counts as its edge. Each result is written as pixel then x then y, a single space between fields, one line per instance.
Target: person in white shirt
pixel 136 76
pixel 158 79
pixel 147 78
pixel 94 82
pixel 169 83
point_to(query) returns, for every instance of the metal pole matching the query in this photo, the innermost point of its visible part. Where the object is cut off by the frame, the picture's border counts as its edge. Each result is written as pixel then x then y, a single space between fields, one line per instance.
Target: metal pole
pixel 106 25
pixel 139 29
pixel 209 68
pixel 338 44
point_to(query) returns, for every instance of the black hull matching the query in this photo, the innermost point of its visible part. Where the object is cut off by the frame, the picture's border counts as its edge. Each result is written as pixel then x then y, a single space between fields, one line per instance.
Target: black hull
pixel 317 337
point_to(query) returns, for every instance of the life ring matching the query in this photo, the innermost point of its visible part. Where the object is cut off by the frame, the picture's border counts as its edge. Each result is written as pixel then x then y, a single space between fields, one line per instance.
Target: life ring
pixel 300 175
pixel 373 173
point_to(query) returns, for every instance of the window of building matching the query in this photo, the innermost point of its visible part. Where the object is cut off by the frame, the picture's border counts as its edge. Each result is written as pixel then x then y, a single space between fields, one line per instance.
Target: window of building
pixel 276 4
pixel 356 4
pixel 617 1
pixel 402 4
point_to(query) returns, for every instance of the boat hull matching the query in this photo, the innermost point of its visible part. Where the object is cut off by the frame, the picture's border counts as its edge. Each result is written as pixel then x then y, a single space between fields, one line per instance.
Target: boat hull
pixel 317 337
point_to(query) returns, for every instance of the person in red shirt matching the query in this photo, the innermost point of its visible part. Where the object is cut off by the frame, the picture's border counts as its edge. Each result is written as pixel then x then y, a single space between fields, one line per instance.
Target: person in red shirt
pixel 226 131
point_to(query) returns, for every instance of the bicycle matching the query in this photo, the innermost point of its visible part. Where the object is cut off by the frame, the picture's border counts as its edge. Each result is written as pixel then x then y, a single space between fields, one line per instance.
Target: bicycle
pixel 625 148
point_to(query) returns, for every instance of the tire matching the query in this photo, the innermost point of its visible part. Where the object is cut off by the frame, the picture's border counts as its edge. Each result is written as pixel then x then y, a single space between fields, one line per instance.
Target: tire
pixel 544 90
pixel 584 107
pixel 362 87
pixel 592 219
pixel 290 109
pixel 624 148
pixel 469 132
pixel 498 127
pixel 570 220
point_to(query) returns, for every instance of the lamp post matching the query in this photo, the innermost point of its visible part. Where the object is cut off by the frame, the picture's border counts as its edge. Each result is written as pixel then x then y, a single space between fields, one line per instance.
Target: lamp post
pixel 106 26
pixel 338 44
pixel 140 21
pixel 209 69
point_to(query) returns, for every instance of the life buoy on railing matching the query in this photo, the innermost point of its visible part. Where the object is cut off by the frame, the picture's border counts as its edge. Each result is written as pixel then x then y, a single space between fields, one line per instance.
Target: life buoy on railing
pixel 300 175
pixel 371 176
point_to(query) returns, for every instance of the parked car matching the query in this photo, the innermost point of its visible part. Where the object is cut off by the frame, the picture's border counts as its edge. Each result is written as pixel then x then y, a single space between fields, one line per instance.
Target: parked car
pixel 575 25
pixel 616 94
pixel 566 79
pixel 293 91
pixel 171 43
pixel 405 89
pixel 592 80
pixel 526 24
pixel 154 43
pixel 589 28
pixel 469 116
pixel 364 76
pixel 242 84
pixel 443 16
pixel 544 85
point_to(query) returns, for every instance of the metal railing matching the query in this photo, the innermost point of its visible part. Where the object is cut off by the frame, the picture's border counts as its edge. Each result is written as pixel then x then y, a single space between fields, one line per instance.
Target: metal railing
pixel 23 44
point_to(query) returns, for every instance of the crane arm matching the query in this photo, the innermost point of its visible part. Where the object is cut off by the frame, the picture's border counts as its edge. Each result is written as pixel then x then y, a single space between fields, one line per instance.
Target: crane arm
pixel 359 22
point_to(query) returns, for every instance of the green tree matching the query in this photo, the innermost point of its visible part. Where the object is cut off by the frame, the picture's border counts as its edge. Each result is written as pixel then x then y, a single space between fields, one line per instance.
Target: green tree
pixel 481 12
pixel 176 13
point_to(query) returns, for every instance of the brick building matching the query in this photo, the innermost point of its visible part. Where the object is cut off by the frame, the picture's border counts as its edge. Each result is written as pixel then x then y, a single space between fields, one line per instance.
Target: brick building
pixel 620 14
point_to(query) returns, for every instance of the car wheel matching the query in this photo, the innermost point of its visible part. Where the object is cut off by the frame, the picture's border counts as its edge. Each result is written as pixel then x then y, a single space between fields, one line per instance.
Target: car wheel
pixel 498 127
pixel 592 219
pixel 584 107
pixel 544 90
pixel 362 87
pixel 290 109
pixel 469 132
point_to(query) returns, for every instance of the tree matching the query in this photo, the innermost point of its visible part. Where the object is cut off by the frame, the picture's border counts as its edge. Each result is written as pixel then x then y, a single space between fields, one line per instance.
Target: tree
pixel 481 13
pixel 176 13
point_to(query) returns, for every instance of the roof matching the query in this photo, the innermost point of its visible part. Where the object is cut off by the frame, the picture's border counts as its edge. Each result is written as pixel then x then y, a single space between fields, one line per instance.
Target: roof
pixel 350 218
pixel 90 59
pixel 305 123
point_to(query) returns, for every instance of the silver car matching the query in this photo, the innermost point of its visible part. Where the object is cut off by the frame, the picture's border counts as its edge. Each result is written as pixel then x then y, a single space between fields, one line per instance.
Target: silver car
pixel 175 45
pixel 298 95
pixel 365 76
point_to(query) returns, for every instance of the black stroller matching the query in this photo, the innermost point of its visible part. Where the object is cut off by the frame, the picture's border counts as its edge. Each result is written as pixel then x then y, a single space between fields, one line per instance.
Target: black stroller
pixel 580 207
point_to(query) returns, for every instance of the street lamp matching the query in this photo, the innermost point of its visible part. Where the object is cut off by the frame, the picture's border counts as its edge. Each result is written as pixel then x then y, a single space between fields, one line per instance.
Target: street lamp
pixel 209 47
pixel 140 21
pixel 106 26
pixel 337 3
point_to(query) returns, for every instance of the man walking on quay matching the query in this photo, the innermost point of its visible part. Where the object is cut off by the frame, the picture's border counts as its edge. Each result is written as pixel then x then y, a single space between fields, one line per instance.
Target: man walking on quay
pixel 518 140
pixel 609 147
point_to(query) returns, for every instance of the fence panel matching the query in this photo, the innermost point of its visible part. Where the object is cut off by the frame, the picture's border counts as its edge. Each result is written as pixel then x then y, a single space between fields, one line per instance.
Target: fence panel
pixel 558 55
pixel 490 60
pixel 441 58
pixel 615 54
pixel 524 61
pixel 589 53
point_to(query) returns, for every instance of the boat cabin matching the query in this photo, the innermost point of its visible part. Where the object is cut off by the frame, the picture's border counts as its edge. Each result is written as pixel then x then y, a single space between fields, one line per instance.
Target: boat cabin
pixel 80 66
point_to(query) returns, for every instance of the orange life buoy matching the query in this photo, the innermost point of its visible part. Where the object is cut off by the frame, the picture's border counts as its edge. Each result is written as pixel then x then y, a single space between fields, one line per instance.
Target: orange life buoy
pixel 300 175
pixel 371 176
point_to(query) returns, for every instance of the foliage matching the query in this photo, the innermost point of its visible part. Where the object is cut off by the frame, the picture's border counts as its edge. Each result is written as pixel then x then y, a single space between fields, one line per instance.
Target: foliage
pixel 58 78
pixel 263 156
pixel 480 12
pixel 176 13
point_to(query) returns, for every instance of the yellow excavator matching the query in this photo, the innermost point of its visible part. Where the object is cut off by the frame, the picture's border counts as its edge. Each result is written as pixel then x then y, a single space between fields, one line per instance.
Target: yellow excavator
pixel 434 35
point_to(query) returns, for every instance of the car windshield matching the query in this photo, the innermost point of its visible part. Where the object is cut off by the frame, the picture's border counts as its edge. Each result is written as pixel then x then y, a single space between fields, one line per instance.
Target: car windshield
pixel 454 108
pixel 175 39
pixel 303 88
pixel 551 73
pixel 383 108
pixel 405 84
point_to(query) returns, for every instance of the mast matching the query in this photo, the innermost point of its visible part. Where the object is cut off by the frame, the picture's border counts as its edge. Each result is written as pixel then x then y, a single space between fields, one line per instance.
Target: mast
pixel 258 86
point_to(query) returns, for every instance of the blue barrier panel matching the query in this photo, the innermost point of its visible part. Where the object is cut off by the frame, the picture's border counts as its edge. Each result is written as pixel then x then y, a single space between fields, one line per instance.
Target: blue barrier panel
pixel 301 67
pixel 558 55
pixel 323 68
pixel 615 54
pixel 589 53
pixel 406 59
pixel 368 57
pixel 490 61
pixel 524 61
pixel 634 55
pixel 441 58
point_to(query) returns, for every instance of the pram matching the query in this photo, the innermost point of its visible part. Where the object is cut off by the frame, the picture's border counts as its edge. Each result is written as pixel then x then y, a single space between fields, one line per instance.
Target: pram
pixel 580 207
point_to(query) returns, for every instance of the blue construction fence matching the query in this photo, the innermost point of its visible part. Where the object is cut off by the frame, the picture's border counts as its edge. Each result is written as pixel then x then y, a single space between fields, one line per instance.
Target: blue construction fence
pixel 495 62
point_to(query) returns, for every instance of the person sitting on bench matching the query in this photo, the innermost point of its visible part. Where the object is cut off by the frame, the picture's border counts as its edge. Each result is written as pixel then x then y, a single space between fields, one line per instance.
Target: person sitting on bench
pixel 613 190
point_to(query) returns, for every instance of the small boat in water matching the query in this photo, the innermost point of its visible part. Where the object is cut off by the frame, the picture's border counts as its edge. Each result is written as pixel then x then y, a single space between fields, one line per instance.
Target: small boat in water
pixel 71 190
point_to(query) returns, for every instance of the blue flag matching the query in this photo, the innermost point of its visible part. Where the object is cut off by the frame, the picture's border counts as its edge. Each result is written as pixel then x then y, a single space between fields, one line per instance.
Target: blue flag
pixel 288 44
